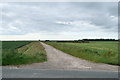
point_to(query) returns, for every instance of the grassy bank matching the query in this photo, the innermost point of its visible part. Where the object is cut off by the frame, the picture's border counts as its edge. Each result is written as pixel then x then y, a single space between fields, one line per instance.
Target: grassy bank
pixel 101 51
pixel 22 52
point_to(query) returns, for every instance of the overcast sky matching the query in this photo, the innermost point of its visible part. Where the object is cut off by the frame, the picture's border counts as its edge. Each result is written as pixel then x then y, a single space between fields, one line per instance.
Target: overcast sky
pixel 59 20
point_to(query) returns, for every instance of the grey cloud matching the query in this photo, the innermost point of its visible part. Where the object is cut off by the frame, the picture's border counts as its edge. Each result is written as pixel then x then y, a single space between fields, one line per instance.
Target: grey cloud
pixel 42 17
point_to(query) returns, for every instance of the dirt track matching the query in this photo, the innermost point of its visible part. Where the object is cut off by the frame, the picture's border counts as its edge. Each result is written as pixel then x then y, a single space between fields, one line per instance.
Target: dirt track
pixel 60 60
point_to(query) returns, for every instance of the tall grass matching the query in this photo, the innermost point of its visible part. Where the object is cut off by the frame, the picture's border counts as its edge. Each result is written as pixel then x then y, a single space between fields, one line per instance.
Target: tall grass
pixel 13 56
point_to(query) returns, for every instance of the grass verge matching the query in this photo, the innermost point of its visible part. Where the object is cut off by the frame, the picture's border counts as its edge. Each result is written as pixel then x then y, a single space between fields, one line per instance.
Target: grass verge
pixel 100 52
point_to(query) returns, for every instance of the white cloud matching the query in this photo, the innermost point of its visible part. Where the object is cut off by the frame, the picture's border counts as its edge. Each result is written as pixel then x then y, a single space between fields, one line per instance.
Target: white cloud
pixel 65 23
pixel 114 18
pixel 12 27
pixel 3 5
pixel 1 29
pixel 10 14
pixel 18 22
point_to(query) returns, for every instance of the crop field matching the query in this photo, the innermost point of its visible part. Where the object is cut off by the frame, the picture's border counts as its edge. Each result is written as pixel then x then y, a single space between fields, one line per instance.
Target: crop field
pixel 95 51
pixel 22 52
pixel 13 44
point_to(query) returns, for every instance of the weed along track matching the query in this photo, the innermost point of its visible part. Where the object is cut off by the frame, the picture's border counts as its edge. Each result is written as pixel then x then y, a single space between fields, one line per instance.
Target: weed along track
pixel 57 59
pixel 25 48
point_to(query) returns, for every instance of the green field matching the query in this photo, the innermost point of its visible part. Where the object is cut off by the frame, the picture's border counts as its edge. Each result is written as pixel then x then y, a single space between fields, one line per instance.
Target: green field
pixel 22 52
pixel 96 51
pixel 13 44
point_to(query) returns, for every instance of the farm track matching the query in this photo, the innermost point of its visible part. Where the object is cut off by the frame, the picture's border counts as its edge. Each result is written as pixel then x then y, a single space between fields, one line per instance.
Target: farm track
pixel 60 60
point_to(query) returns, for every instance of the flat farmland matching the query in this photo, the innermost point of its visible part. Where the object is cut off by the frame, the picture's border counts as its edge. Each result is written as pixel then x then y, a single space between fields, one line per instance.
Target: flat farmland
pixel 95 51
pixel 22 52
pixel 14 44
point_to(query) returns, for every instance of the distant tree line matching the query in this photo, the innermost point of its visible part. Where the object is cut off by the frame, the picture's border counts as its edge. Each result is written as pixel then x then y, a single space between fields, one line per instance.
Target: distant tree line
pixel 80 41
pixel 75 41
pixel 99 40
